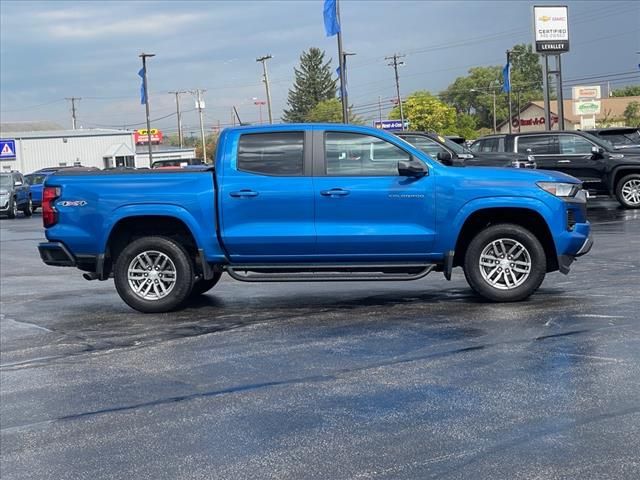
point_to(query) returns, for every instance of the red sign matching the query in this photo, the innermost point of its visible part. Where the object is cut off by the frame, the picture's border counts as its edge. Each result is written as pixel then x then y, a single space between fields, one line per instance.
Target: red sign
pixel 141 137
pixel 527 122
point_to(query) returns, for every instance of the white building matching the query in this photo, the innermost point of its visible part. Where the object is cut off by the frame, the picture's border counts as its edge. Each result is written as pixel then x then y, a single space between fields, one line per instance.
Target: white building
pixel 87 147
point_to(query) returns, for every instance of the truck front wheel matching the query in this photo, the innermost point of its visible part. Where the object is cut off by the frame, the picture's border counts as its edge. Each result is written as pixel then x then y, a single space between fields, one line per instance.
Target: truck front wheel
pixel 505 263
pixel 153 274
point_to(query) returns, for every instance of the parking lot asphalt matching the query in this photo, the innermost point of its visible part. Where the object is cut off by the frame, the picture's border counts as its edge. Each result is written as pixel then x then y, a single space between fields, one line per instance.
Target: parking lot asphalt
pixel 328 381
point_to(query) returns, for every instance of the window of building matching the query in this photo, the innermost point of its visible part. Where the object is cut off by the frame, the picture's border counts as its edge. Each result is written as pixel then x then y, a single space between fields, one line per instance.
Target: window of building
pixel 349 154
pixel 274 153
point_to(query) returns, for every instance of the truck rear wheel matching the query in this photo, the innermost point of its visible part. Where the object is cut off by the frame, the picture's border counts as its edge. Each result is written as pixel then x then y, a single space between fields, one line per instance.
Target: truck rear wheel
pixel 153 274
pixel 628 191
pixel 203 286
pixel 505 263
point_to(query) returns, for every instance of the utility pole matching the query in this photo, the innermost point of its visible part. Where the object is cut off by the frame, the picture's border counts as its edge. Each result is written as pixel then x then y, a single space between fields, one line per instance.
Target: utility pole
pixel 177 94
pixel 146 98
pixel 265 79
pixel 73 110
pixel 395 64
pixel 200 107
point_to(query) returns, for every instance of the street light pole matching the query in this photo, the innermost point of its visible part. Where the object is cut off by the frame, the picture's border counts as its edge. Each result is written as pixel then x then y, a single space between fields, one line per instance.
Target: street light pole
pixel 263 60
pixel 200 107
pixel 146 98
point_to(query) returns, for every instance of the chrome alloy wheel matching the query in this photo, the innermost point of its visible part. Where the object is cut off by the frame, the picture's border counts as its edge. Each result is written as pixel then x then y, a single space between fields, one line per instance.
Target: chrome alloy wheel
pixel 631 192
pixel 505 264
pixel 151 275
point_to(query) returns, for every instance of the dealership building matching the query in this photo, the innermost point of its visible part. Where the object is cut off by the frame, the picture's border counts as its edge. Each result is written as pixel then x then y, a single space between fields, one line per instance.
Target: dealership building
pixel 27 151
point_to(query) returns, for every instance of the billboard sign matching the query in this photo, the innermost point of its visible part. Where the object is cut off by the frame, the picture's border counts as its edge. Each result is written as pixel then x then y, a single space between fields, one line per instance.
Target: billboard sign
pixel 586 93
pixel 390 125
pixel 551 29
pixel 141 137
pixel 586 107
pixel 7 149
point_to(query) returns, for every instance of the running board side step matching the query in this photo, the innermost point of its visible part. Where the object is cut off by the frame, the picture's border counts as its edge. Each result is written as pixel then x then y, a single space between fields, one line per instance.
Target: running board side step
pixel 342 272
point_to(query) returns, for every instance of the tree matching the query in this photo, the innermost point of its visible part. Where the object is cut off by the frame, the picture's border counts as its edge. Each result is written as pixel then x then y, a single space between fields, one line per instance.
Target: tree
pixel 632 114
pixel 313 84
pixel 628 91
pixel 473 93
pixel 426 112
pixel 330 111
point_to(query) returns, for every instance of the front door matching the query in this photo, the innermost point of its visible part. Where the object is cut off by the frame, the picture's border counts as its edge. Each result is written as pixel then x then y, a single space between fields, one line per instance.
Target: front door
pixel 266 199
pixel 366 211
pixel 582 163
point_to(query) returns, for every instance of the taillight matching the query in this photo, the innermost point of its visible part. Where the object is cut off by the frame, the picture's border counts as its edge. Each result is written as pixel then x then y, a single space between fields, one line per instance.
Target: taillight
pixel 49 212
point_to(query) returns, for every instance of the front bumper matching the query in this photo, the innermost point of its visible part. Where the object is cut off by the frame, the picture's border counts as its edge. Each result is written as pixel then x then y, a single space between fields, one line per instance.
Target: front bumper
pixel 579 243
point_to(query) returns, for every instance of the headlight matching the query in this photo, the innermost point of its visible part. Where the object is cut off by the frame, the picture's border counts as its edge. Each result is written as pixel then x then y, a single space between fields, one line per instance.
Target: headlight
pixel 560 189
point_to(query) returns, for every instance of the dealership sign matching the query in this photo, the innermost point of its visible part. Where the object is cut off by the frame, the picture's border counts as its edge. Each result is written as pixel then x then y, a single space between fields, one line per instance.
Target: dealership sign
pixel 551 29
pixel 390 124
pixel 7 149
pixel 142 138
pixel 530 122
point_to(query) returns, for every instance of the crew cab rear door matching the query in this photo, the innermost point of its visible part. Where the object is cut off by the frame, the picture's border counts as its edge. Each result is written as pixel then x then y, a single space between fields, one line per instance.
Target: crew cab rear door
pixel 266 198
pixel 364 209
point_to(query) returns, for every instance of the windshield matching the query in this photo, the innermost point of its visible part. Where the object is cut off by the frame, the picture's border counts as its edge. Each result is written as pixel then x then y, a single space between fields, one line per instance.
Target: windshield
pixel 5 181
pixel 607 145
pixel 450 144
pixel 621 137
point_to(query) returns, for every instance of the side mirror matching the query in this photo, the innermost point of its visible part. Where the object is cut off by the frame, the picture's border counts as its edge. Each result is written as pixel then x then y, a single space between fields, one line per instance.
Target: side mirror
pixel 412 168
pixel 17 183
pixel 598 152
pixel 445 158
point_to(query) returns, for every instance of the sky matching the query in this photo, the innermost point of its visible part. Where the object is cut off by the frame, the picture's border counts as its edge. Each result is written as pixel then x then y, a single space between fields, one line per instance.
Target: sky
pixel 53 50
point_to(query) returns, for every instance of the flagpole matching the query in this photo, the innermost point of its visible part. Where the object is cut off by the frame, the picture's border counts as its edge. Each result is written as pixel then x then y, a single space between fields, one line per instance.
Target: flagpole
pixel 343 88
pixel 509 90
pixel 146 99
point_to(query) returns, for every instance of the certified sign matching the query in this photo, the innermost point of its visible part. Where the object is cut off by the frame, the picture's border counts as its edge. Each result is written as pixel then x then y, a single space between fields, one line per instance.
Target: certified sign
pixel 7 149
pixel 551 29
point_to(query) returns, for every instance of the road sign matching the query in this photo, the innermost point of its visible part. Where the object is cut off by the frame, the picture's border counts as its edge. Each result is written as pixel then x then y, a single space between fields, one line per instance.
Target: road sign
pixel 390 124
pixel 7 149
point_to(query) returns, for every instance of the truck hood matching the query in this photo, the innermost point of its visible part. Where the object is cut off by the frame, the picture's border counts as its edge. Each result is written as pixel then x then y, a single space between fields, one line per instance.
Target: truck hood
pixel 519 175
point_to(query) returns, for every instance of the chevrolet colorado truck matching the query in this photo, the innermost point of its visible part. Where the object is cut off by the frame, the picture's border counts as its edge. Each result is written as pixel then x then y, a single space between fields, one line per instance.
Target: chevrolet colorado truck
pixel 313 202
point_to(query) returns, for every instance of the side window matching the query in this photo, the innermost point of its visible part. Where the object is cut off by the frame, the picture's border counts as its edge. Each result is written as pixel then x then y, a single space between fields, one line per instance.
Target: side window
pixel 428 146
pixel 538 144
pixel 349 154
pixel 489 145
pixel 476 146
pixel 574 145
pixel 276 153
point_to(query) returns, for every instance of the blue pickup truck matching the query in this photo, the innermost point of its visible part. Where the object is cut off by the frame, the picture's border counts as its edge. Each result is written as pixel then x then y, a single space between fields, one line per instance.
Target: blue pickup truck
pixel 313 202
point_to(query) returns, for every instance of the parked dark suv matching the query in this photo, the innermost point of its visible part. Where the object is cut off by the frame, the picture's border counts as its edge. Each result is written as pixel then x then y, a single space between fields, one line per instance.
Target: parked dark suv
pixel 603 169
pixel 14 195
pixel 448 152
pixel 621 137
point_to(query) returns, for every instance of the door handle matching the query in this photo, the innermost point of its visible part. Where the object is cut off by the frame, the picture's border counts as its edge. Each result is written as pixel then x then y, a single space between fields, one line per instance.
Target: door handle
pixel 335 192
pixel 564 161
pixel 244 194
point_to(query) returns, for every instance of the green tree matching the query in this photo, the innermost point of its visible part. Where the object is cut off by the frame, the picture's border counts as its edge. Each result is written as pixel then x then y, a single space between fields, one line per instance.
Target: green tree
pixel 632 114
pixel 473 93
pixel 426 112
pixel 330 111
pixel 628 91
pixel 313 84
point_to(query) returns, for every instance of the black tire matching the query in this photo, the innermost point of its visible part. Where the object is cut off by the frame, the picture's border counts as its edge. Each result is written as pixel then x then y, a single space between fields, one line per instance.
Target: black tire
pixel 13 208
pixel 28 209
pixel 179 265
pixel 203 286
pixel 34 209
pixel 628 191
pixel 499 290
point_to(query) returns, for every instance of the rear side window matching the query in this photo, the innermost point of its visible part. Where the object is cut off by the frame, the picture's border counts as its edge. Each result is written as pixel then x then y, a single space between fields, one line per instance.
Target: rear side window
pixel 538 144
pixel 274 153
pixel 495 144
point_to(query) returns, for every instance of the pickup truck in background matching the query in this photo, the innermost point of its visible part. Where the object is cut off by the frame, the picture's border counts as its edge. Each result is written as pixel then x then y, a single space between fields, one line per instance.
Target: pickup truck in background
pixel 313 202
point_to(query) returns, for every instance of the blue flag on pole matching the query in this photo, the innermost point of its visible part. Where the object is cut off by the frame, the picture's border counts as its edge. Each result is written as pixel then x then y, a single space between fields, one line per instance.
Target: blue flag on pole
pixel 331 24
pixel 143 94
pixel 506 74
